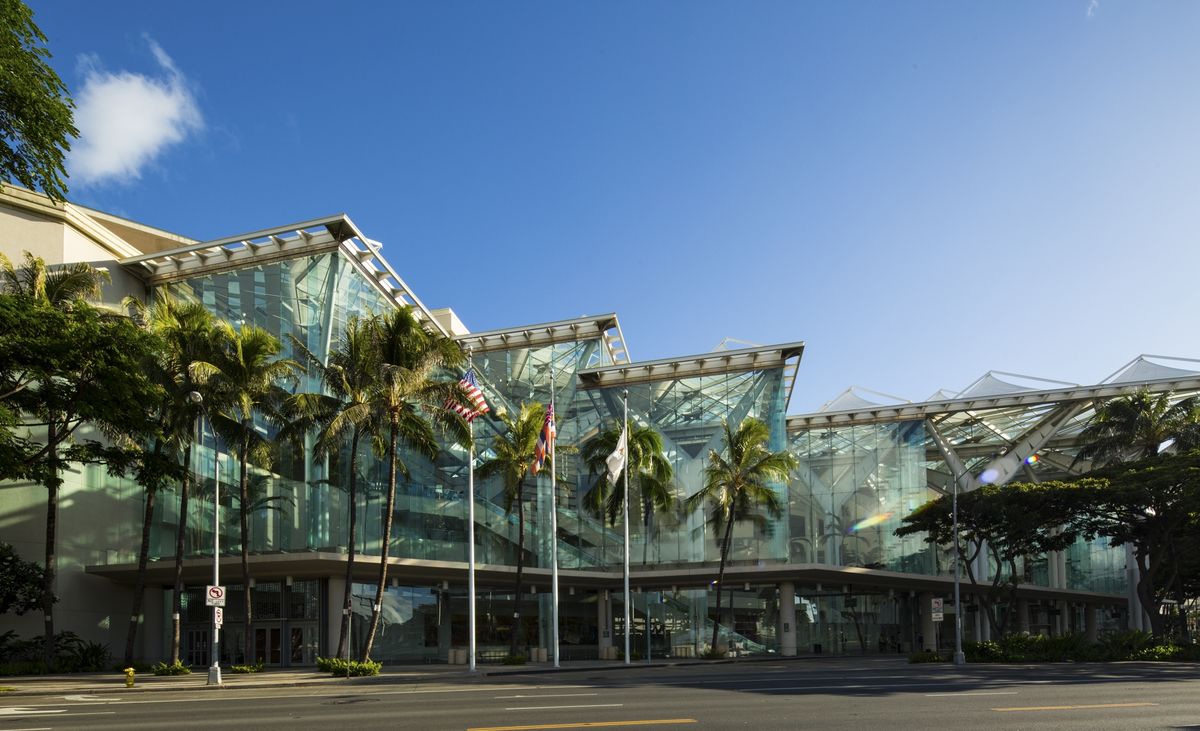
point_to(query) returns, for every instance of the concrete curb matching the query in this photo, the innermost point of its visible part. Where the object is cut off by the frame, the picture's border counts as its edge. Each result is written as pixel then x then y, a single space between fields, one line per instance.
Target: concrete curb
pixel 28 686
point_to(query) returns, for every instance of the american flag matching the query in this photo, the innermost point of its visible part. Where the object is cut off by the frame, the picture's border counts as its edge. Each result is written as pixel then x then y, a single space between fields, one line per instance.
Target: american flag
pixel 545 440
pixel 474 396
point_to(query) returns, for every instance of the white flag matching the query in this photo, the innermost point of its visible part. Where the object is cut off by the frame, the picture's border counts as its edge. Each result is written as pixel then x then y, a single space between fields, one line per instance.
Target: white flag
pixel 616 460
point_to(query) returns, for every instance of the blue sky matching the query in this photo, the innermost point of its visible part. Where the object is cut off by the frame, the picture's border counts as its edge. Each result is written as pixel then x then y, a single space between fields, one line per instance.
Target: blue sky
pixel 920 191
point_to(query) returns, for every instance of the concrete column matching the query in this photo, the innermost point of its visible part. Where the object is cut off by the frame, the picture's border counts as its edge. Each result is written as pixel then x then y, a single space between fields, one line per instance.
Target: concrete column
pixel 1133 575
pixel 1090 625
pixel 1022 615
pixel 444 625
pixel 604 622
pixel 928 628
pixel 333 614
pixel 787 619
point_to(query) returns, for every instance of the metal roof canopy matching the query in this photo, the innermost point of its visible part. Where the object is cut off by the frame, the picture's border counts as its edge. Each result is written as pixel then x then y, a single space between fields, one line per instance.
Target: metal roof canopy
pixel 317 236
pixel 786 356
pixel 908 412
pixel 550 333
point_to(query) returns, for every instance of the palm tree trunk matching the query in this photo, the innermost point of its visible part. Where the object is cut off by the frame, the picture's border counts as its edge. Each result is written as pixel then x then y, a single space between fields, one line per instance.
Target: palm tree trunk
pixel 51 529
pixel 343 640
pixel 721 580
pixel 139 586
pixel 387 540
pixel 244 525
pixel 177 584
pixel 516 623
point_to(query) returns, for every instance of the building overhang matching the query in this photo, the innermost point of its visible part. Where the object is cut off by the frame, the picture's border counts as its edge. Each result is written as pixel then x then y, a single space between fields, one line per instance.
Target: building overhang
pixel 831 579
pixel 917 411
pixel 605 327
pixel 282 243
pixel 786 356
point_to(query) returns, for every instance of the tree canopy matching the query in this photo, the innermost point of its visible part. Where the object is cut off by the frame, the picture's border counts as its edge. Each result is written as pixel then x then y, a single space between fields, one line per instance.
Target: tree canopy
pixel 35 110
pixel 1002 523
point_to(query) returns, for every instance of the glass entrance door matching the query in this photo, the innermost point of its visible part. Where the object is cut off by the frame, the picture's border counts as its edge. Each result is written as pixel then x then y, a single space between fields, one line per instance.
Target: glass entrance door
pixel 267 644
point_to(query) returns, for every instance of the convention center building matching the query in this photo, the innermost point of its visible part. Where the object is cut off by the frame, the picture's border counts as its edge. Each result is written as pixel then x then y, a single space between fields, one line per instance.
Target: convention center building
pixel 829 576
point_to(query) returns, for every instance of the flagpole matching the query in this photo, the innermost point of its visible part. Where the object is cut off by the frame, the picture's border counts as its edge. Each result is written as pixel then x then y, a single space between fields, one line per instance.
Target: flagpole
pixel 554 516
pixel 625 470
pixel 471 533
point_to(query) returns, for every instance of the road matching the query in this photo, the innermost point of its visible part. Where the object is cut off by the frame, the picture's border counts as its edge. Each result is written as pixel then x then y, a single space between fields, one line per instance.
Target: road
pixel 830 694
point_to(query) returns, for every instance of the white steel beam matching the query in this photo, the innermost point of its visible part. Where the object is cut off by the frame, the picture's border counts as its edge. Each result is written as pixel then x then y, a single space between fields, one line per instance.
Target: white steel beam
pixel 913 412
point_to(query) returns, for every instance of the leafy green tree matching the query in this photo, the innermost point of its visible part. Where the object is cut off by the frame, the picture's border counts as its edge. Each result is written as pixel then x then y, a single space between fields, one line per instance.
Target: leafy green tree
pixel 1137 426
pixel 247 378
pixel 350 381
pixel 1152 505
pixel 649 470
pixel 93 373
pixel 409 398
pixel 35 110
pixel 737 488
pixel 1004 523
pixel 186 333
pixel 513 451
pixel 20 582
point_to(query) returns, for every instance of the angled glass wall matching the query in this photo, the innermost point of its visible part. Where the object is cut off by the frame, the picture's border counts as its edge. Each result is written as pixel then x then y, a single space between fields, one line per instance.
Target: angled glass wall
pixel 853 486
pixel 689 413
pixel 297 503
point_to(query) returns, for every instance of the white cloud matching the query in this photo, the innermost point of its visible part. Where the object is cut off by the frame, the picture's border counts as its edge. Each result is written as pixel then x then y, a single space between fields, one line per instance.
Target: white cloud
pixel 126 119
pixel 1093 6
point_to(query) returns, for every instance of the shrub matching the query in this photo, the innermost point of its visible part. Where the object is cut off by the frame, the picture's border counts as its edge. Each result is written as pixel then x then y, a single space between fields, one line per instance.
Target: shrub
pixel 245 669
pixel 986 651
pixel 24 667
pixel 926 656
pixel 514 660
pixel 1123 645
pixel 176 668
pixel 336 666
pixel 713 653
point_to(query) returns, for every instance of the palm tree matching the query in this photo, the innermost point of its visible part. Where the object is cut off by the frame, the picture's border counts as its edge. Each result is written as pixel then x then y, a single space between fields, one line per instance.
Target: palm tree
pixel 409 398
pixel 248 378
pixel 650 471
pixel 1136 427
pixel 60 288
pixel 736 484
pixel 513 452
pixel 350 377
pixel 185 333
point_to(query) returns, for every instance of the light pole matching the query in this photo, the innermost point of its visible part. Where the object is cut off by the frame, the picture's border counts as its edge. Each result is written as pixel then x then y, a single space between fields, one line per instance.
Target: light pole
pixel 214 670
pixel 959 657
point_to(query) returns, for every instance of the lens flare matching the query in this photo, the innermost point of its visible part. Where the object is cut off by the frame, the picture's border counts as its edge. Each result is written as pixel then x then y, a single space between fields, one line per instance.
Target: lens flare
pixel 871 521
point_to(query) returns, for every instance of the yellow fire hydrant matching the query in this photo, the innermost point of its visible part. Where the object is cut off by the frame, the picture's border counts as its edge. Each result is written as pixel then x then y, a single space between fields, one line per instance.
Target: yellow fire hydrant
pixel 129 673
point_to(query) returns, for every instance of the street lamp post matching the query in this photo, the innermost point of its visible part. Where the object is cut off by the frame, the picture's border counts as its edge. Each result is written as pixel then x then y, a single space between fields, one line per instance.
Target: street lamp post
pixel 214 670
pixel 959 657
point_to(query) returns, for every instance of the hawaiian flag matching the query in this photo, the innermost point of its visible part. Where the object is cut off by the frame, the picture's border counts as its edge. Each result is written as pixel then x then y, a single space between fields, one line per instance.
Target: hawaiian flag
pixel 474 397
pixel 545 441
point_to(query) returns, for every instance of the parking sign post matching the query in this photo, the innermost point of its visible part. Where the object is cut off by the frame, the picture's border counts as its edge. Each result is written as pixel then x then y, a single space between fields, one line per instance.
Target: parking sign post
pixel 217 600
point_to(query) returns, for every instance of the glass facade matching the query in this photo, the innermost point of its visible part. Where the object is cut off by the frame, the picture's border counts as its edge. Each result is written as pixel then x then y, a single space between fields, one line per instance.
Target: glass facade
pixel 852 487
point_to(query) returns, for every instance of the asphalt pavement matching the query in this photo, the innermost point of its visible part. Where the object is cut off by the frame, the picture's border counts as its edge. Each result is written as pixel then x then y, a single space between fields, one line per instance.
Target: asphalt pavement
pixel 824 694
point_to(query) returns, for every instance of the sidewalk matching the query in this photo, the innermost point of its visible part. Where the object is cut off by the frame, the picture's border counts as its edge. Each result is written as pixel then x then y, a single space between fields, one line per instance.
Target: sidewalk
pixel 114 682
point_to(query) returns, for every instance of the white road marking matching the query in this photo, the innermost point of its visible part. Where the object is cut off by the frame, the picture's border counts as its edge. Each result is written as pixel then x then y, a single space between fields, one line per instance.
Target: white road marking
pixel 999 692
pixel 40 728
pixel 85 698
pixel 27 711
pixel 550 708
pixel 548 695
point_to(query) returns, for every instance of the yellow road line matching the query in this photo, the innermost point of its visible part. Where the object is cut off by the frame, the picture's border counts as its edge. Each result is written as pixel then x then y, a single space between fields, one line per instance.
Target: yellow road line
pixel 1075 708
pixel 587 724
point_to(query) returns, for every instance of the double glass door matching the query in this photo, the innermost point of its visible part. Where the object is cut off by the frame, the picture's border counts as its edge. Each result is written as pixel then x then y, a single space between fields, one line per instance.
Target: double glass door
pixel 288 643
